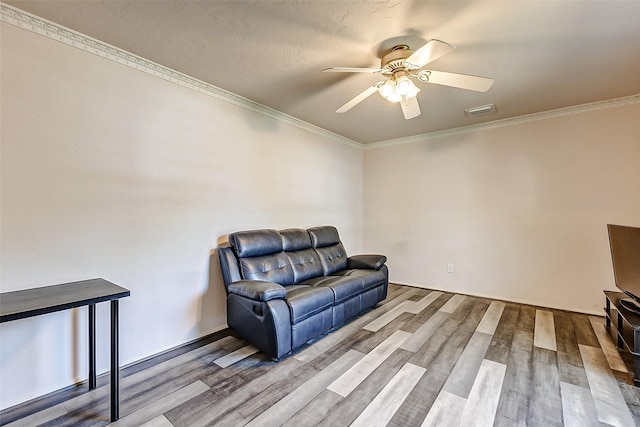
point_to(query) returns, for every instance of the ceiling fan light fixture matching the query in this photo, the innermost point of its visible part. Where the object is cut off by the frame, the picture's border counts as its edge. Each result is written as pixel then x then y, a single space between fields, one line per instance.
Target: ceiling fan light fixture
pixel 387 89
pixel 410 90
pixel 403 86
pixel 398 89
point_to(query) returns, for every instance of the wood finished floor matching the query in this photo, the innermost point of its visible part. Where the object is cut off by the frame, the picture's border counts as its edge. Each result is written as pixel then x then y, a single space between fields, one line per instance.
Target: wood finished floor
pixel 421 358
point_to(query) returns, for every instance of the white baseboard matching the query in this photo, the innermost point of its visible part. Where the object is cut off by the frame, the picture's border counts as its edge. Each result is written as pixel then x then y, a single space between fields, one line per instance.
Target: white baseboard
pixel 496 297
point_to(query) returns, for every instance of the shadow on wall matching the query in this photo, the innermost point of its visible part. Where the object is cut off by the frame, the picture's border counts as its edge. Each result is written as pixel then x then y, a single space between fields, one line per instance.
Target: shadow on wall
pixel 213 307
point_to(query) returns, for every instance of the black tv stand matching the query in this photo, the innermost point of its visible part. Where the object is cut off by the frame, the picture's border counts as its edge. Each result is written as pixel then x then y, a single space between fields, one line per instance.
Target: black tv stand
pixel 630 305
pixel 623 326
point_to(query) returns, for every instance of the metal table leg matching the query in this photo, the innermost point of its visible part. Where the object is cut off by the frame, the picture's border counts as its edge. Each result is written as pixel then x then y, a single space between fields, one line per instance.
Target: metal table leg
pixel 92 346
pixel 115 369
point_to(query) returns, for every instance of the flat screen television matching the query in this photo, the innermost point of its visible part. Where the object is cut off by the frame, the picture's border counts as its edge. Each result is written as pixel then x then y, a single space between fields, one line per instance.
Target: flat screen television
pixel 625 254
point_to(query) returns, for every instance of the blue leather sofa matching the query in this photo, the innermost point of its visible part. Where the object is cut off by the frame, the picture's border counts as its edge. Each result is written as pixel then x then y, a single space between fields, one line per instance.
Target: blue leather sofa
pixel 287 287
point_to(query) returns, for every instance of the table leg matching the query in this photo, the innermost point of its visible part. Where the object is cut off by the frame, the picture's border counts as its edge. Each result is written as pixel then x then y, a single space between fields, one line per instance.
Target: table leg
pixel 115 368
pixel 92 346
pixel 608 316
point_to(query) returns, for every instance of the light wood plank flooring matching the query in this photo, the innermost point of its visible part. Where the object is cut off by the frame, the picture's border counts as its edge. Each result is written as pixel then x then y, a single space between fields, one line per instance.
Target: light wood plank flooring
pixel 421 358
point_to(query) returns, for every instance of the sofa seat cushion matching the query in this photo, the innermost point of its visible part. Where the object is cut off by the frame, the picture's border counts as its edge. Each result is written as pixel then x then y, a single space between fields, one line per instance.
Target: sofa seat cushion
pixel 306 301
pixel 343 287
pixel 369 278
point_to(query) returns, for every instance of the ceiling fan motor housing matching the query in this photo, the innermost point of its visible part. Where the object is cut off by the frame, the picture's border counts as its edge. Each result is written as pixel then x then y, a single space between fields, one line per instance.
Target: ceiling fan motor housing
pixel 396 58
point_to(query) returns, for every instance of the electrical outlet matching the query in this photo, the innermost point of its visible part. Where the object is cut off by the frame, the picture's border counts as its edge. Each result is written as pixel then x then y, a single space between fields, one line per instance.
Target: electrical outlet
pixel 449 268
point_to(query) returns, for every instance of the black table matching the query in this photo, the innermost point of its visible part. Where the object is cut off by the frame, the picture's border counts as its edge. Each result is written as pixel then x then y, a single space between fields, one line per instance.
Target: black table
pixel 48 299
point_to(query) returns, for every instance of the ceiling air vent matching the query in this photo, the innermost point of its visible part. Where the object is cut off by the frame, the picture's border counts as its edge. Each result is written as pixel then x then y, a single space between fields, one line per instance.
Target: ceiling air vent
pixel 480 111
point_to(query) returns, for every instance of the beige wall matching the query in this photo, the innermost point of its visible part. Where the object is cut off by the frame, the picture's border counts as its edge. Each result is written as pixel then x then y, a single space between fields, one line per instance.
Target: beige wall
pixel 110 172
pixel 520 211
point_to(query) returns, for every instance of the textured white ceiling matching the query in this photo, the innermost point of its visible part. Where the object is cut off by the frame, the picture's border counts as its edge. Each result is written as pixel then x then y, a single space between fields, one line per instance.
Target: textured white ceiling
pixel 543 55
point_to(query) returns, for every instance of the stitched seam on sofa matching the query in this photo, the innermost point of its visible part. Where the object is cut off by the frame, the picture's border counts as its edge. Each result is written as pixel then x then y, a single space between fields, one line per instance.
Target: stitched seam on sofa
pixel 267 270
pixel 275 268
pixel 306 263
pixel 280 266
pixel 308 314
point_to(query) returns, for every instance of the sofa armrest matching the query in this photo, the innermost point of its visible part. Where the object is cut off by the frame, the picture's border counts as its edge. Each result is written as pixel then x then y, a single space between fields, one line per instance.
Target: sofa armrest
pixel 258 290
pixel 369 262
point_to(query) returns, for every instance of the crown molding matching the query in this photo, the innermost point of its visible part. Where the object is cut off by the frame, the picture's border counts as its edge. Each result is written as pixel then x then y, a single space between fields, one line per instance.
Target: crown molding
pixel 561 112
pixel 51 30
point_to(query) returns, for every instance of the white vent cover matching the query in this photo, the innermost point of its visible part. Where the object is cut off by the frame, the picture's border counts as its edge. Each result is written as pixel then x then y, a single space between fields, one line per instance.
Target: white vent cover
pixel 480 111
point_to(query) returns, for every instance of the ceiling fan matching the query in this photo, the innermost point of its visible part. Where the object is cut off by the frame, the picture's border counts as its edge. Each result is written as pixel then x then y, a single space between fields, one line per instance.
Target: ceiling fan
pixel 399 65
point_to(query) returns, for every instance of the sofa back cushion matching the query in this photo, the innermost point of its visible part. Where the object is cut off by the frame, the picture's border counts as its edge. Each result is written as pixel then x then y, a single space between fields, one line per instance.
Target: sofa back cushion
pixel 261 257
pixel 326 241
pixel 295 239
pixel 304 260
pixel 324 236
pixel 270 268
pixel 255 242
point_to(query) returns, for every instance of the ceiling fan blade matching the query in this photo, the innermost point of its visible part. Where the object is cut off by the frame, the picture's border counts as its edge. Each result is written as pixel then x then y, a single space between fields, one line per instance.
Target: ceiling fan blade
pixel 352 70
pixel 410 108
pixel 358 98
pixel 430 51
pixel 462 81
